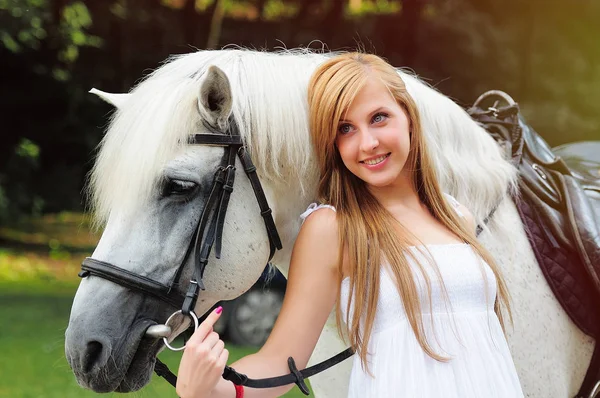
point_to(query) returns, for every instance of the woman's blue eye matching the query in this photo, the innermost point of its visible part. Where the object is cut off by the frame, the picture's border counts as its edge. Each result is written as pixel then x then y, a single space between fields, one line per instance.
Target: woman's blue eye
pixel 345 129
pixel 379 117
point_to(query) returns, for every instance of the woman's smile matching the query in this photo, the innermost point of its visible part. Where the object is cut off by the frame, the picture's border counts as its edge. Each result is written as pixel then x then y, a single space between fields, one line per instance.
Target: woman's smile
pixel 376 162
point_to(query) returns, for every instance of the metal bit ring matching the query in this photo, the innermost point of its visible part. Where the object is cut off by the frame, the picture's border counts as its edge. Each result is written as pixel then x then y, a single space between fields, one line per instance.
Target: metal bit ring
pixel 194 318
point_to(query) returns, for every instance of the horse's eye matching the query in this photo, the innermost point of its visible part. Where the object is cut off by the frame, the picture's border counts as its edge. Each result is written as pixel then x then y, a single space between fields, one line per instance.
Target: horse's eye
pixel 178 188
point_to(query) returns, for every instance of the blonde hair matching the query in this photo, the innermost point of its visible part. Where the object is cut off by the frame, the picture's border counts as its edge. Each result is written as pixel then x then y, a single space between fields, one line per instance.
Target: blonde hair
pixel 362 221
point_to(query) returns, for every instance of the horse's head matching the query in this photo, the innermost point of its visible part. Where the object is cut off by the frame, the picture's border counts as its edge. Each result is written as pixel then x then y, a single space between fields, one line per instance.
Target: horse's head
pixel 151 186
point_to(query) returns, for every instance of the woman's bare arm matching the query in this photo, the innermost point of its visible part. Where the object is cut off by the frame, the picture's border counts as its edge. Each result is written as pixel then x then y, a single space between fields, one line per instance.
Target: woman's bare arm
pixel 310 296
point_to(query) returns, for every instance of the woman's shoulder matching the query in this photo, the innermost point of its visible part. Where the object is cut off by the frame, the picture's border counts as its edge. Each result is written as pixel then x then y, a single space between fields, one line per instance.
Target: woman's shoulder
pixel 319 230
pixel 313 207
pixel 319 220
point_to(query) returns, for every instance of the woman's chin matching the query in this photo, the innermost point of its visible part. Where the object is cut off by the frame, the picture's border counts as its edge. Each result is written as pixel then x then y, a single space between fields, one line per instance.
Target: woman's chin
pixel 381 181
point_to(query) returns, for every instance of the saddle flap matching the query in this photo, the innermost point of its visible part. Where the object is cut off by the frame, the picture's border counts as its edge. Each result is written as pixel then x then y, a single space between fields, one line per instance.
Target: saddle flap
pixel 585 230
pixel 540 179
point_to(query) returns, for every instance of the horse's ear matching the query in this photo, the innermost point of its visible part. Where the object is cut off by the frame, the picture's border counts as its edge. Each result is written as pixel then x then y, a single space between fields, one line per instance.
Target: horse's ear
pixel 117 100
pixel 214 99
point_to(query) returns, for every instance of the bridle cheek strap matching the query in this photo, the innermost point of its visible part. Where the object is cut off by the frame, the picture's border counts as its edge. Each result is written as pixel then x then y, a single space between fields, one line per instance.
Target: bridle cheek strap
pixel 227 189
pixel 215 211
pixel 265 210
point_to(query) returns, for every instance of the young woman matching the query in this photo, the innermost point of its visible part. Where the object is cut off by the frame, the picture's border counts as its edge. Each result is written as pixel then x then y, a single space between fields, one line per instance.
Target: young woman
pixel 420 300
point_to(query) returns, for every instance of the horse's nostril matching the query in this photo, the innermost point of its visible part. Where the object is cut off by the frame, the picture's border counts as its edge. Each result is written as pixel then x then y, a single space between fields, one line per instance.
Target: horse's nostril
pixel 92 354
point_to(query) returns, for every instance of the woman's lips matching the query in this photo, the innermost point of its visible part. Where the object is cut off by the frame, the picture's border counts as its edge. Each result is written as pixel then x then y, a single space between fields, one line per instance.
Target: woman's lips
pixel 375 163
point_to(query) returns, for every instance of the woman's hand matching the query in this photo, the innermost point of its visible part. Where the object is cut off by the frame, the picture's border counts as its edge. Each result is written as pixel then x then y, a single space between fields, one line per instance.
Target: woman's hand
pixel 203 360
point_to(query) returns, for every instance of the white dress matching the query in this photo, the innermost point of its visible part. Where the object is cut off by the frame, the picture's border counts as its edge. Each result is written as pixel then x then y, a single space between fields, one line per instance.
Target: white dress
pixel 463 327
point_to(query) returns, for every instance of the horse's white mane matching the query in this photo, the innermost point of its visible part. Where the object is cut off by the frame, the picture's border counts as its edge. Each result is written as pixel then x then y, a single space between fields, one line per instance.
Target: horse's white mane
pixel 270 106
pixel 469 164
pixel 149 129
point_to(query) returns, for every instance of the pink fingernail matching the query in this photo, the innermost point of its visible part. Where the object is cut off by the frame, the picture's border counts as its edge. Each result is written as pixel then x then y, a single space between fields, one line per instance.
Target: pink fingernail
pixel 219 309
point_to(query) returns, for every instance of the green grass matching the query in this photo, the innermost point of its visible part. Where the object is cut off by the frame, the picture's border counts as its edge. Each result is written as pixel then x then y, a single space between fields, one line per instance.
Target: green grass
pixel 48 248
pixel 39 261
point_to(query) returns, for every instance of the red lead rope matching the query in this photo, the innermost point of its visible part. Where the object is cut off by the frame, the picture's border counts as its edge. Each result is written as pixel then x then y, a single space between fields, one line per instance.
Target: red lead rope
pixel 239 391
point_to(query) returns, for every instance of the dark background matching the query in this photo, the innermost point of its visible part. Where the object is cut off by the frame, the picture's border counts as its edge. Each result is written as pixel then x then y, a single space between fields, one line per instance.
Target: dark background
pixel 545 53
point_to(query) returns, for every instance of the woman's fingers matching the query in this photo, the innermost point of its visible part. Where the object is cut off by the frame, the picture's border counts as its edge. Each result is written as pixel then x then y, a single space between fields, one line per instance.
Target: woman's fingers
pixel 211 340
pixel 223 357
pixel 217 349
pixel 206 326
pixel 203 360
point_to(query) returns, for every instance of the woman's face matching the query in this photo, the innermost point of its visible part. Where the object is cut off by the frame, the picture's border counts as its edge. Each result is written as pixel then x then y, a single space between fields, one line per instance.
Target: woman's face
pixel 373 139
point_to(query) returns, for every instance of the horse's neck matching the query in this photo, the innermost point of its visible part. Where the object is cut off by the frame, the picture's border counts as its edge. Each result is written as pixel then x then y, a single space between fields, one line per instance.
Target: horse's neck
pixel 289 198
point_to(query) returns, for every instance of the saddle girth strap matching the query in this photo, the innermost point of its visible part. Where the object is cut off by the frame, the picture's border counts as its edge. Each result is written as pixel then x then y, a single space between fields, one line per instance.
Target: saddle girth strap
pixel 591 383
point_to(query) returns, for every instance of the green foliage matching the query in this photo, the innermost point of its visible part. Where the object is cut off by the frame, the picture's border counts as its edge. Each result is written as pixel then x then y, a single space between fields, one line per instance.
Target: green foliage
pixel 542 53
pixel 28 149
pixel 119 9
pixel 76 19
pixel 3 202
pixel 202 5
pixel 533 50
pixel 278 9
pixel 374 7
pixel 29 25
pixel 16 197
pixel 41 42
pixel 22 24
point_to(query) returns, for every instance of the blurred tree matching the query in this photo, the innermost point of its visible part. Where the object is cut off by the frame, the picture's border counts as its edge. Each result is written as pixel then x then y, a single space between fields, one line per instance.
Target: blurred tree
pixel 355 5
pixel 216 24
pixel 40 43
pixel 544 53
pixel 23 163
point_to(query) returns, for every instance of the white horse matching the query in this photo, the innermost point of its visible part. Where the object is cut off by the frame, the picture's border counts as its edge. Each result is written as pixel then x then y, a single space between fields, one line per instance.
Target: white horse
pixel 149 187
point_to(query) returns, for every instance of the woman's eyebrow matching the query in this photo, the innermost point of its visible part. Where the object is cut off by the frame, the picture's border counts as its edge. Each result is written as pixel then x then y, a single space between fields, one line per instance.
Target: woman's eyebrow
pixel 377 110
pixel 370 114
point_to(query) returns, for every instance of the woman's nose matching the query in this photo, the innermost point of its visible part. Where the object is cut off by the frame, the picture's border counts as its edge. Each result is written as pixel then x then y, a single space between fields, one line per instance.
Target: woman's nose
pixel 368 140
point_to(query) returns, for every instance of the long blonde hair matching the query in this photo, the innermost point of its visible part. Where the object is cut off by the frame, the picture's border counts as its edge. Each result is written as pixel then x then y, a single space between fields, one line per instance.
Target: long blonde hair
pixel 363 222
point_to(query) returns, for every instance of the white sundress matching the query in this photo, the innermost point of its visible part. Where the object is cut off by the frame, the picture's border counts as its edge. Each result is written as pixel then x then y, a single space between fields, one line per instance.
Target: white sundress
pixel 463 328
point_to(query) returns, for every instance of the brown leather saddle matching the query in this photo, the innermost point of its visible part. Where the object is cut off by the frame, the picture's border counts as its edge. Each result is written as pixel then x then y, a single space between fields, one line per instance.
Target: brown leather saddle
pixel 583 159
pixel 561 215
